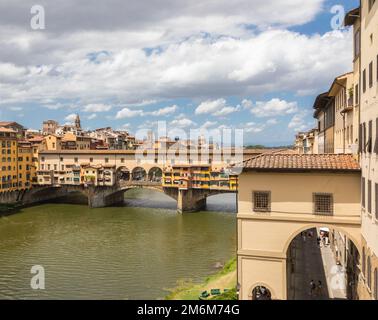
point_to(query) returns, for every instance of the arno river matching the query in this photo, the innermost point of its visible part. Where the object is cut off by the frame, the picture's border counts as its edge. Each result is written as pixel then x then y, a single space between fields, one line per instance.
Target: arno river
pixel 135 251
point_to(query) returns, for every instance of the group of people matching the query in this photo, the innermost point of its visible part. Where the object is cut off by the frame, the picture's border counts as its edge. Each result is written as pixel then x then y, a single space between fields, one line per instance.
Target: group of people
pixel 321 239
pixel 316 290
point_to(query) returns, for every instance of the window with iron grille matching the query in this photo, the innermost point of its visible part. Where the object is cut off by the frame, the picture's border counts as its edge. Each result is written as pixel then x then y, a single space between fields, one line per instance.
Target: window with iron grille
pixel 363 195
pixel 261 201
pixel 369 196
pixel 323 203
pixel 376 201
pixel 371 74
pixel 376 137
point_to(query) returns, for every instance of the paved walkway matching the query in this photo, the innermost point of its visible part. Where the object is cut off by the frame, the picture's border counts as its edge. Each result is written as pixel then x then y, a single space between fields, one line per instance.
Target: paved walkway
pixel 317 264
pixel 335 275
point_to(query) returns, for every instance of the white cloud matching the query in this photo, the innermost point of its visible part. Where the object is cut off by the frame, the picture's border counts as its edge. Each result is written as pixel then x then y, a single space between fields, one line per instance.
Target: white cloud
pixel 98 107
pixel 209 124
pixel 217 108
pixel 15 108
pixel 163 111
pixel 274 107
pixel 92 116
pixel 128 113
pixel 182 123
pixel 252 127
pixel 298 122
pixel 197 67
pixel 71 117
pixel 272 122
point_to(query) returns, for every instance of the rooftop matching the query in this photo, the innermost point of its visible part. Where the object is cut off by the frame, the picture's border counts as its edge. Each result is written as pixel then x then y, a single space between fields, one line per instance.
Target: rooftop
pixel 302 162
pixel 7 130
pixel 352 16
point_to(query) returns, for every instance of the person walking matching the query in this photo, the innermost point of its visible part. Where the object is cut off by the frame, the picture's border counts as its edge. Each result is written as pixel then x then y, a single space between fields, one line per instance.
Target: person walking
pixel 318 240
pixel 319 289
pixel 312 287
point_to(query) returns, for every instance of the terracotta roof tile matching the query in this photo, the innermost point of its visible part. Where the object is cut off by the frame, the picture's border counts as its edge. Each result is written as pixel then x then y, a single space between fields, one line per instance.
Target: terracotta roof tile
pixel 300 162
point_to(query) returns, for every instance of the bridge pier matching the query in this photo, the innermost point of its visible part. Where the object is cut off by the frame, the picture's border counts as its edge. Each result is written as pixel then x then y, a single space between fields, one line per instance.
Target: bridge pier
pixel 191 200
pixel 104 197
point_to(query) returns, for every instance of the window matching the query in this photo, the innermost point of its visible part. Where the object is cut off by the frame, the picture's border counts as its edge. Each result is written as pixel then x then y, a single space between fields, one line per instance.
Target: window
pixel 357 93
pixel 371 74
pixel 363 261
pixel 261 201
pixel 376 201
pixel 364 81
pixel 376 137
pixel 90 159
pixel 360 138
pixel 76 160
pixel 323 203
pixel 368 276
pixel 357 44
pixel 363 192
pixel 369 196
pixel 370 138
pixel 106 160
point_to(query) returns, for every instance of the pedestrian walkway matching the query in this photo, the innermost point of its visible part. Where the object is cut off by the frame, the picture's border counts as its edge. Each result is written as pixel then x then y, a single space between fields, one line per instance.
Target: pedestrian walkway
pixel 314 263
pixel 308 265
pixel 335 275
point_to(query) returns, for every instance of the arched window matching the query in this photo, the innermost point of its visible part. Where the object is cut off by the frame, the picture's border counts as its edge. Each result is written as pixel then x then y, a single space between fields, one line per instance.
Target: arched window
pixel 368 272
pixel 261 293
pixel 376 284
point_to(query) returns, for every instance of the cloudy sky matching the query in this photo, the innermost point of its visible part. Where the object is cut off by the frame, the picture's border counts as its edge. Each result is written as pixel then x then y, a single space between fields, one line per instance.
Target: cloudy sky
pixel 248 64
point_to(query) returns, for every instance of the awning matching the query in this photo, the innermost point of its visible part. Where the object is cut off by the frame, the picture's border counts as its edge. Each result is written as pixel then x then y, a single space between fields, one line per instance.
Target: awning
pixel 324 230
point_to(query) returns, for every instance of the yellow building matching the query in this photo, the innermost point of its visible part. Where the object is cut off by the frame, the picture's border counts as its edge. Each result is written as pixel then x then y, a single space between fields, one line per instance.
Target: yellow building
pixel 24 165
pixel 8 149
pixel 346 114
pixel 364 21
pixel 198 177
pixel 16 161
pixel 52 142
pixel 282 195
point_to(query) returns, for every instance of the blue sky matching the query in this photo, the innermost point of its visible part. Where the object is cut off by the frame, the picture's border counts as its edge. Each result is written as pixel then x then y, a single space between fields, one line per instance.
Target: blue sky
pixel 255 67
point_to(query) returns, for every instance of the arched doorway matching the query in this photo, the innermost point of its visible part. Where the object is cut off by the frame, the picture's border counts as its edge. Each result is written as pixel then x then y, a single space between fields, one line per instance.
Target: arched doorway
pixel 139 174
pixel 155 175
pixel 322 264
pixel 261 293
pixel 123 174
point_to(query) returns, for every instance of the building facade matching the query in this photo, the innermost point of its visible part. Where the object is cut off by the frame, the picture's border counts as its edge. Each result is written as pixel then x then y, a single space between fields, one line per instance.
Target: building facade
pixel 273 211
pixel 368 60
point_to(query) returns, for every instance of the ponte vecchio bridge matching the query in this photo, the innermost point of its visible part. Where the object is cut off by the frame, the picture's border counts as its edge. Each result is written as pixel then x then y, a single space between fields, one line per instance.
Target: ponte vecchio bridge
pixel 105 175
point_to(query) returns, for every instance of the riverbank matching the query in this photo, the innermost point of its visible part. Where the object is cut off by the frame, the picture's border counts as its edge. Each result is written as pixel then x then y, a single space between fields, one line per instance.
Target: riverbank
pixel 224 279
pixel 7 209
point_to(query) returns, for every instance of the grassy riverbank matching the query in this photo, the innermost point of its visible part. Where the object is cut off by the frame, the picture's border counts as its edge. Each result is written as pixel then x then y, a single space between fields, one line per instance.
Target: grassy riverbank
pixel 224 279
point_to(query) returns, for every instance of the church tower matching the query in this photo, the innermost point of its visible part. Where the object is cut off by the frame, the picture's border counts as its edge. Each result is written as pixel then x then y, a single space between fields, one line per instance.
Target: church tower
pixel 77 122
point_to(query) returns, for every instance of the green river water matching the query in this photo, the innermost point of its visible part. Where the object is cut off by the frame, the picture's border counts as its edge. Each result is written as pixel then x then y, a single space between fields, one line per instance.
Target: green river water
pixel 135 251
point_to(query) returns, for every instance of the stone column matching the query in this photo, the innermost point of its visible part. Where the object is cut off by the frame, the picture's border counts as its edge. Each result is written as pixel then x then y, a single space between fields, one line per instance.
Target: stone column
pixel 190 200
pixel 103 197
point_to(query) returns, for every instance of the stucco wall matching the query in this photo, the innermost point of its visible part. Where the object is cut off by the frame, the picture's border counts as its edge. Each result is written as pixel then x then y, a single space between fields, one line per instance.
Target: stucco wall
pixel 293 192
